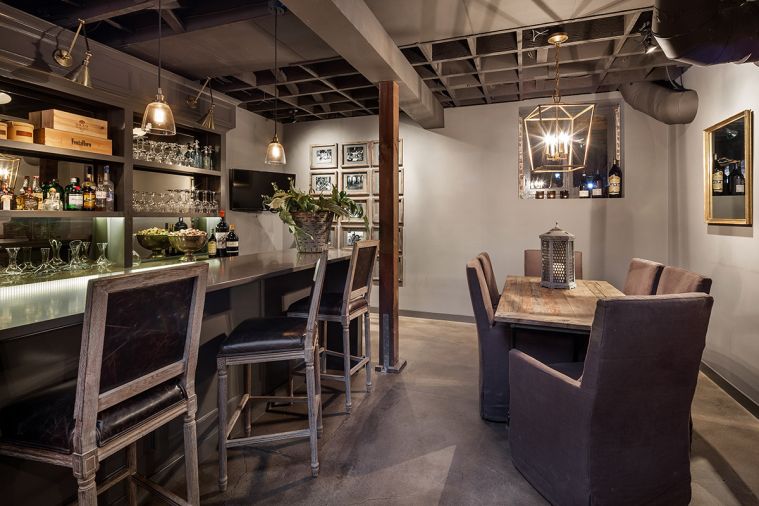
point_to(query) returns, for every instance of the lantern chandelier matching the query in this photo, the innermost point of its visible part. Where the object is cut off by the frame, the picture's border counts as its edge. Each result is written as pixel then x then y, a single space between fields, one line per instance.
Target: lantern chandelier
pixel 558 134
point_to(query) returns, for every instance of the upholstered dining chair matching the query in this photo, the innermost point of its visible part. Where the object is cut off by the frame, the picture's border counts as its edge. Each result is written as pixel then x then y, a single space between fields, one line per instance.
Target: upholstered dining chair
pixel 266 340
pixel 136 373
pixel 676 280
pixel 614 431
pixel 490 279
pixel 343 307
pixel 642 277
pixel 533 263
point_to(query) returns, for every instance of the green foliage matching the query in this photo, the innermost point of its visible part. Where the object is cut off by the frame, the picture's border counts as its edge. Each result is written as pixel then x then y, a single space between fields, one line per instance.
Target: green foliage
pixel 284 202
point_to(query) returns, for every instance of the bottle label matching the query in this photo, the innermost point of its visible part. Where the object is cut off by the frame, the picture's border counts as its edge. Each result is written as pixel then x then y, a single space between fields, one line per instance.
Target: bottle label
pixel 212 249
pixel 584 193
pixel 76 201
pixel 739 188
pixel 100 194
pixel 615 185
pixel 221 240
pixel 233 244
pixel 717 182
pixel 598 192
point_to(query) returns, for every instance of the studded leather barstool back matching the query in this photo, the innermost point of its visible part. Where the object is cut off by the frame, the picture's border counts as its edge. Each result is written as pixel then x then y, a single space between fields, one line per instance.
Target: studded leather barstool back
pixel 533 263
pixel 136 373
pixel 343 308
pixel 273 339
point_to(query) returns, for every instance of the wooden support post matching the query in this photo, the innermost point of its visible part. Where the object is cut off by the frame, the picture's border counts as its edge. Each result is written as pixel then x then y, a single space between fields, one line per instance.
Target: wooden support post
pixel 389 360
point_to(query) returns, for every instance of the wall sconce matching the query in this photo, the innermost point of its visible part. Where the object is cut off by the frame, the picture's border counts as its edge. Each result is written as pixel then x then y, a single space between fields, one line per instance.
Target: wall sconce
pixel 82 73
pixel 192 102
pixel 63 56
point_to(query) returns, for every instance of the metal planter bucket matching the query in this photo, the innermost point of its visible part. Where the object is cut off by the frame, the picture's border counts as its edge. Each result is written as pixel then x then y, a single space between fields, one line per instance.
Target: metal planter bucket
pixel 313 236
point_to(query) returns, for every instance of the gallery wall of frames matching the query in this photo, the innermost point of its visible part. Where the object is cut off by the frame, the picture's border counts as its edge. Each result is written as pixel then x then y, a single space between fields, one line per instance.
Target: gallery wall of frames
pixel 354 168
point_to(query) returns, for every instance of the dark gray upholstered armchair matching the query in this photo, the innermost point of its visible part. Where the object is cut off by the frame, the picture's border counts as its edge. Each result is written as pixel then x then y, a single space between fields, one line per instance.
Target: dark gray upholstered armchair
pixel 533 263
pixel 676 280
pixel 642 277
pixel 490 279
pixel 493 348
pixel 615 432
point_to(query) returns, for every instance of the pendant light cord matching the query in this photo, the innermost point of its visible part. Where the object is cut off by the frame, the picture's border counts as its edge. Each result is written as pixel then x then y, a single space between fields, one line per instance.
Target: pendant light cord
pixel 557 89
pixel 276 69
pixel 159 44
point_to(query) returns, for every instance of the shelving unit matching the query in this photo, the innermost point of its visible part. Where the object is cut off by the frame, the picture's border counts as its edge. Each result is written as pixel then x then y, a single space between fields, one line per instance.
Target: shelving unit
pixel 39 150
pixel 61 214
pixel 159 214
pixel 180 170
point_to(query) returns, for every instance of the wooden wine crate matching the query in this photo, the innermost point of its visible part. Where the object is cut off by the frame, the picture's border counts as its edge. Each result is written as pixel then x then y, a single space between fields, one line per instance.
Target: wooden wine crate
pixel 69 122
pixel 69 140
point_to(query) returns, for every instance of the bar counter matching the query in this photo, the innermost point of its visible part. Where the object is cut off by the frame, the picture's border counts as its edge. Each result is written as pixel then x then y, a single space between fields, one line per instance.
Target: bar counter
pixel 46 305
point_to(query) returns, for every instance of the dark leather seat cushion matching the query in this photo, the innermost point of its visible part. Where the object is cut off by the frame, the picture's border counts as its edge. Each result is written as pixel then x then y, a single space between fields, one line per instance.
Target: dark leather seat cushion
pixel 265 334
pixel 330 304
pixel 571 369
pixel 46 419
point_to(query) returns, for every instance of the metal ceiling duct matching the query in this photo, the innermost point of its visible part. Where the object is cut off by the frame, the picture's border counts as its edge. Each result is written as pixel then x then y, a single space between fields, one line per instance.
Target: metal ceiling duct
pixel 708 32
pixel 662 103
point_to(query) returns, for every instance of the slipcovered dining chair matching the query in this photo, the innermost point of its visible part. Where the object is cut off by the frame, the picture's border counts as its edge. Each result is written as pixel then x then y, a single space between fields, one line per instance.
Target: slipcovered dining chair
pixel 616 430
pixel 642 277
pixel 676 280
pixel 533 263
pixel 137 366
pixel 490 279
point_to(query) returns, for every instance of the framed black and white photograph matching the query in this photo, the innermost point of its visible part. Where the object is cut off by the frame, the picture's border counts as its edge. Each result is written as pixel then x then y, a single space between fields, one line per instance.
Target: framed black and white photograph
pixel 375 181
pixel 375 153
pixel 356 154
pixel 375 210
pixel 324 156
pixel 322 182
pixel 355 182
pixel 351 235
pixel 375 236
pixel 364 205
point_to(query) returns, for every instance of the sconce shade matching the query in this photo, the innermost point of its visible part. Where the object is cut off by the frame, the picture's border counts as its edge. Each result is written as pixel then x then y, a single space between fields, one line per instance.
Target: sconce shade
pixel 557 249
pixel 207 119
pixel 158 118
pixel 558 136
pixel 275 153
pixel 82 73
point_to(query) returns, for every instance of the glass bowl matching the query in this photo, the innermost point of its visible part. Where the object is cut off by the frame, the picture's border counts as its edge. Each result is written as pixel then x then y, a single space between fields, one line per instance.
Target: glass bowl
pixel 188 244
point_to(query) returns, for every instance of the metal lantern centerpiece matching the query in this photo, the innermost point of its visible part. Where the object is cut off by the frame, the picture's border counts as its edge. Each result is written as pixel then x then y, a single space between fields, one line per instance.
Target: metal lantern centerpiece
pixel 558 134
pixel 557 248
pixel 9 171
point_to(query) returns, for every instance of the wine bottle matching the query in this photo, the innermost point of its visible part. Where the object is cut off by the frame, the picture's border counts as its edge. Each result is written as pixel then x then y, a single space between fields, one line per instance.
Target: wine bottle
pixel 737 181
pixel 233 242
pixel 726 171
pixel 717 178
pixel 222 229
pixel 212 246
pixel 180 225
pixel 584 191
pixel 597 190
pixel 615 181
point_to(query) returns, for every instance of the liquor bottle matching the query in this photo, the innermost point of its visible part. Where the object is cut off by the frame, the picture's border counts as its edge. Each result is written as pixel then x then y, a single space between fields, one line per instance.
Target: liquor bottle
pixel 222 229
pixel 584 191
pixel 37 191
pixel 737 181
pixel 21 194
pixel 73 198
pixel 52 196
pixel 717 178
pixel 30 201
pixel 597 191
pixel 212 246
pixel 728 169
pixel 89 194
pixel 615 181
pixel 233 242
pixel 180 225
pixel 106 191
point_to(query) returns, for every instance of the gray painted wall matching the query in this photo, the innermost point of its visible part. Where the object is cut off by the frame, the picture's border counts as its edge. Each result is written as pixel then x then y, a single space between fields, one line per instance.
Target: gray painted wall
pixel 461 198
pixel 727 254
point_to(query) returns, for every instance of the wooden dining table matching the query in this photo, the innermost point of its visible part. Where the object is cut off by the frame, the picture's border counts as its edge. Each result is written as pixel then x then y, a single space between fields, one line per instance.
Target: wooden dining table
pixel 524 303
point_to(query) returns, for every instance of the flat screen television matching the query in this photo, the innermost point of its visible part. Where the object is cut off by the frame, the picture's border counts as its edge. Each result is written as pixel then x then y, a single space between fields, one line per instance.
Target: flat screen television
pixel 247 186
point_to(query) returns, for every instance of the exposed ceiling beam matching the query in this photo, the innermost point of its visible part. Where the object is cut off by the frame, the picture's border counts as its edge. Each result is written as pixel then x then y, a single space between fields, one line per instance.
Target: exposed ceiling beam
pixel 172 20
pixel 100 11
pixel 351 29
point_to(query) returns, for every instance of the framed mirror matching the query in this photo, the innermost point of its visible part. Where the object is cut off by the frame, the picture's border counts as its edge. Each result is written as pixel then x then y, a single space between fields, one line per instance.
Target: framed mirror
pixel 728 171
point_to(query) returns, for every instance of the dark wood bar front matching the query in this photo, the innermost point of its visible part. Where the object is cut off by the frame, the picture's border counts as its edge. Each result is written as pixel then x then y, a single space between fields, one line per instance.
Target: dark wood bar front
pixel 37 352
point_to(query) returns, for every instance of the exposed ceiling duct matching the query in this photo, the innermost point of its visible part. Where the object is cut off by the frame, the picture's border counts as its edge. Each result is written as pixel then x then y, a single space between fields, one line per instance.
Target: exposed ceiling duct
pixel 708 32
pixel 662 103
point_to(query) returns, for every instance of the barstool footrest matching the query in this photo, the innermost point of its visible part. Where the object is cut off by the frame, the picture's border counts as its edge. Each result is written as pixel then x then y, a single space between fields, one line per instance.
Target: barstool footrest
pixel 268 438
pixel 167 495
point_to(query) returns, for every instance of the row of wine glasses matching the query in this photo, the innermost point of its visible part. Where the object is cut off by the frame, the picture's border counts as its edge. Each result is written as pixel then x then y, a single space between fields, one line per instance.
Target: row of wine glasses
pixel 176 201
pixel 51 261
pixel 173 153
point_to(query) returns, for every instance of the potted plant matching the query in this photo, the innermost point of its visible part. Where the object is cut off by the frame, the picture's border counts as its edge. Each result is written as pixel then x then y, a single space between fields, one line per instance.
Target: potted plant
pixel 309 215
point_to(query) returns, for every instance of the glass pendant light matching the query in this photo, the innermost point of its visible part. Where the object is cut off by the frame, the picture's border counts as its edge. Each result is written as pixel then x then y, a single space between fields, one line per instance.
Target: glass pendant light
pixel 275 152
pixel 158 118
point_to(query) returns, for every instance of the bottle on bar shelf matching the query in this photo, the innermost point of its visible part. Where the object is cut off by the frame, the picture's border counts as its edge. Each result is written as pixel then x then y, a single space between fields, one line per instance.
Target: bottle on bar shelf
pixel 73 198
pixel 106 191
pixel 584 192
pixel 615 181
pixel 212 246
pixel 222 229
pixel 7 199
pixel 233 242
pixel 597 190
pixel 180 225
pixel 89 195
pixel 717 178
pixel 30 201
pixel 22 193
pixel 737 180
pixel 37 191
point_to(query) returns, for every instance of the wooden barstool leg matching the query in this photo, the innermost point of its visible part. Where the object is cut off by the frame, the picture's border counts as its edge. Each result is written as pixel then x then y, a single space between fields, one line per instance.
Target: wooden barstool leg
pixel 131 459
pixel 222 404
pixel 85 473
pixel 347 364
pixel 313 409
pixel 323 326
pixel 247 415
pixel 318 388
pixel 191 455
pixel 368 352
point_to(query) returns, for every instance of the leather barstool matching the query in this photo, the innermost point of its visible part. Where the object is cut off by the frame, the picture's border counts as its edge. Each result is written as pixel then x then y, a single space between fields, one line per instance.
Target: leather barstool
pixel 263 340
pixel 136 373
pixel 345 307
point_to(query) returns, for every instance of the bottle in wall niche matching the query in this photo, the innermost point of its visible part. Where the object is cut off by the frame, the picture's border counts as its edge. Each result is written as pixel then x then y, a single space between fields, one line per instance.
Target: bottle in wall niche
pixel 73 198
pixel 726 171
pixel 717 178
pixel 233 242
pixel 212 246
pixel 597 191
pixel 222 229
pixel 737 180
pixel 584 192
pixel 615 181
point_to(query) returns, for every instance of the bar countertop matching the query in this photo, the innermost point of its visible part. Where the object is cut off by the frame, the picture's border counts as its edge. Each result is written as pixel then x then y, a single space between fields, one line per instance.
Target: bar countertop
pixel 29 308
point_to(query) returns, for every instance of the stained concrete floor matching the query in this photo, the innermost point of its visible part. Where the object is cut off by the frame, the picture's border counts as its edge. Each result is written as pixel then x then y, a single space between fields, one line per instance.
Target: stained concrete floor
pixel 418 439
